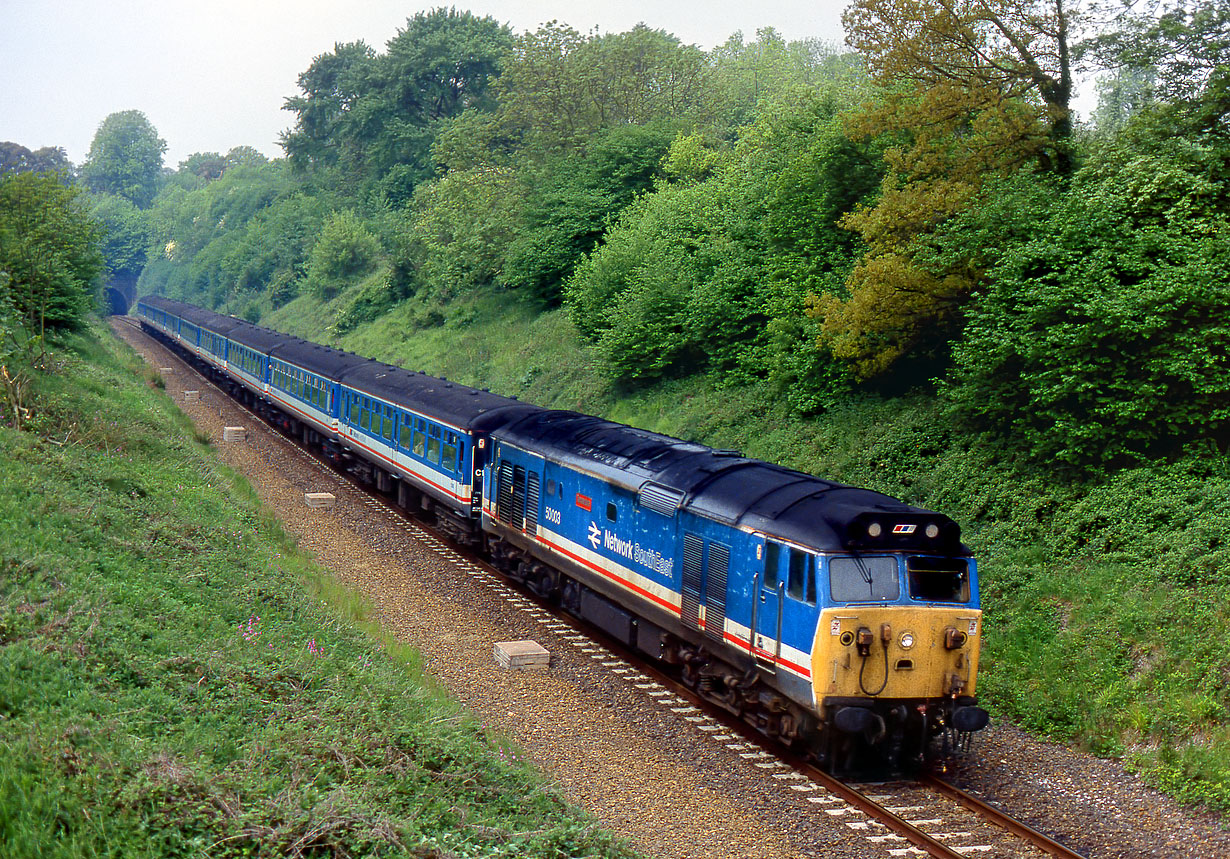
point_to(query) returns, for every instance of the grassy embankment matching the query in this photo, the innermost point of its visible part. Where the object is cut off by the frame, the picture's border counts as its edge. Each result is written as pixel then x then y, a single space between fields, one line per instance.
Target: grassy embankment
pixel 177 679
pixel 1107 601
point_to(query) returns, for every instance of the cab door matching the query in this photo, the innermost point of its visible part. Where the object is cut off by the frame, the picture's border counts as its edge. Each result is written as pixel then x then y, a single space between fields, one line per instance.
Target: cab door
pixel 766 644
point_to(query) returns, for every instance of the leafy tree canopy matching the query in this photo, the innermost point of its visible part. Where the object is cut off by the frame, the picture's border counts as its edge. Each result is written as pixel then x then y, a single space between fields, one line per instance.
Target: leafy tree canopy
pixel 125 234
pixel 557 87
pixel 374 116
pixel 15 158
pixel 49 249
pixel 1179 51
pixel 974 91
pixel 1102 339
pixel 125 158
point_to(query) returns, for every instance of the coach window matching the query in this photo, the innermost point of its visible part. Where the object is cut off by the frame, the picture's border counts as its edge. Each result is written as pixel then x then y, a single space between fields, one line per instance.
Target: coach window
pixel 365 414
pixel 354 409
pixel 433 445
pixel 449 458
pixel 420 437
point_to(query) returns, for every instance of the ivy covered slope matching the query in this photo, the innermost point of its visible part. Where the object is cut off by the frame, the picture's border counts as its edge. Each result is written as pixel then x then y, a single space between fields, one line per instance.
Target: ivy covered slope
pixel 176 679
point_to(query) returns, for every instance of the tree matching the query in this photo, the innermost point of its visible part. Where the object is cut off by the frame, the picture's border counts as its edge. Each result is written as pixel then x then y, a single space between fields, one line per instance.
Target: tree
pixel 710 271
pixel 207 165
pixel 331 87
pixel 125 158
pixel 746 76
pixel 345 250
pixel 50 159
pixel 374 117
pixel 1182 49
pixel 1104 338
pixel 570 200
pixel 975 90
pixel 49 249
pixel 125 235
pixel 557 87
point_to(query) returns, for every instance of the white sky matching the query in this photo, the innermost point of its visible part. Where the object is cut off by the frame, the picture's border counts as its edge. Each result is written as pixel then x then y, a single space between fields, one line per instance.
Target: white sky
pixel 213 74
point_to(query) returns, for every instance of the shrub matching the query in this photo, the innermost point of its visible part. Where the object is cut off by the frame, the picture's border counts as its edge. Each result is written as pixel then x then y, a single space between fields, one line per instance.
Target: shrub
pixel 346 249
pixel 1106 340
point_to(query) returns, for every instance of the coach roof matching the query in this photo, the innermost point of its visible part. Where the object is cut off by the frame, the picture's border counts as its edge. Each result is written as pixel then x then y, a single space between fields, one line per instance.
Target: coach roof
pixel 453 403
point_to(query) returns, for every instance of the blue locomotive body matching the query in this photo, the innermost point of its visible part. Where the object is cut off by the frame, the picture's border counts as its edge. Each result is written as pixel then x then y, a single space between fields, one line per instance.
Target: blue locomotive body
pixel 830 616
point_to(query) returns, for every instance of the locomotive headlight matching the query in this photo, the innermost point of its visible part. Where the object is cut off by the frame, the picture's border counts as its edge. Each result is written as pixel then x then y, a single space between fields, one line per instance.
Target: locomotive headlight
pixel 906 641
pixel 874 529
pixel 932 531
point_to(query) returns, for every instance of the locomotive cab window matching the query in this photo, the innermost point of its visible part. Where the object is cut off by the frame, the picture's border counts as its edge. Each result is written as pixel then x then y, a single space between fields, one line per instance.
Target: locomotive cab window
pixel 938 579
pixel 864 579
pixel 611 512
pixel 802 582
pixel 772 558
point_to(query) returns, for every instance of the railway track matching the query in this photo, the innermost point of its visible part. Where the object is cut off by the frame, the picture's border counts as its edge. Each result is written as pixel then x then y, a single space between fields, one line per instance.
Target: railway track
pixel 925 817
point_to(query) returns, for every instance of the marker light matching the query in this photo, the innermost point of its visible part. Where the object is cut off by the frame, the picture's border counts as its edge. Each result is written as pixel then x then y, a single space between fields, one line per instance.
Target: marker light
pixel 874 529
pixel 907 640
pixel 932 531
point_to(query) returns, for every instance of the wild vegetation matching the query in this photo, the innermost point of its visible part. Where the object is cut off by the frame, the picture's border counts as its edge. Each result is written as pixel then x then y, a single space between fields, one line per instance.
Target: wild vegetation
pixel 906 266
pixel 177 679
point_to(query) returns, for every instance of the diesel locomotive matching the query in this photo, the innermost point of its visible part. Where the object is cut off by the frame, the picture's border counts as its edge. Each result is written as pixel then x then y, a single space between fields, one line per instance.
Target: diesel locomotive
pixel 837 619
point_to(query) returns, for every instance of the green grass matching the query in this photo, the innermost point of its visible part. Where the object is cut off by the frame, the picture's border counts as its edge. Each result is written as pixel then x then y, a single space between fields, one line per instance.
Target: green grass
pixel 177 679
pixel 1106 602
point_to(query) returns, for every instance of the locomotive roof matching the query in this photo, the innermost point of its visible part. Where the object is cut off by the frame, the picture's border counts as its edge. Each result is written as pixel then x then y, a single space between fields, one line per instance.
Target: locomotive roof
pixel 730 488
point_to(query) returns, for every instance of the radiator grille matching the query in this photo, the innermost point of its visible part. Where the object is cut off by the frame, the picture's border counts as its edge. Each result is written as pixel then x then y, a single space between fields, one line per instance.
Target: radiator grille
pixel 715 591
pixel 531 503
pixel 693 547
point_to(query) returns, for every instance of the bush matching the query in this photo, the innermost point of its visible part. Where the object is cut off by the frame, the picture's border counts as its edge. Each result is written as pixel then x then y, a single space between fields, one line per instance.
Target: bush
pixel 346 249
pixel 1106 340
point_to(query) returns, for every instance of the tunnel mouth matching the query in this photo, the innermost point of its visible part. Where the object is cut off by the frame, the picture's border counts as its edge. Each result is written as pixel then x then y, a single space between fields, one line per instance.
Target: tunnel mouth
pixel 117 302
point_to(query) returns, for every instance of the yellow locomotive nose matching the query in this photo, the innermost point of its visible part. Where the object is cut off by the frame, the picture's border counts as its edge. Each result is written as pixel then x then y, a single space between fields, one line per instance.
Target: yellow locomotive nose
pixel 859 654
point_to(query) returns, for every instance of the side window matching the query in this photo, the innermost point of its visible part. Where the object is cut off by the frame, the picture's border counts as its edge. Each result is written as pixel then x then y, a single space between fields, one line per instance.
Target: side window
pixel 354 410
pixel 420 438
pixel 433 445
pixel 772 557
pixel 449 457
pixel 366 411
pixel 386 420
pixel 611 512
pixel 802 583
pixel 550 486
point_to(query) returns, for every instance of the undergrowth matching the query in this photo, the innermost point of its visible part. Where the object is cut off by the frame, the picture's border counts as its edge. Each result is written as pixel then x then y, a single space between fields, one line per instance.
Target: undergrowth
pixel 177 679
